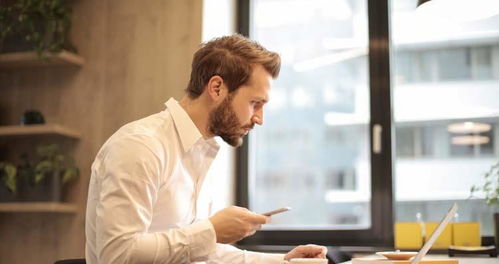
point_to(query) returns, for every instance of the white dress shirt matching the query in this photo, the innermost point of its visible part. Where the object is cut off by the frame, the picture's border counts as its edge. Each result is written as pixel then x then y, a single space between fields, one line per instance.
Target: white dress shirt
pixel 143 196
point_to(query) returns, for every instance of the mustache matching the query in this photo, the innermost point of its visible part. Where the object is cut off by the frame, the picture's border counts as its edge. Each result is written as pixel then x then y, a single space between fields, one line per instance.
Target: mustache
pixel 249 126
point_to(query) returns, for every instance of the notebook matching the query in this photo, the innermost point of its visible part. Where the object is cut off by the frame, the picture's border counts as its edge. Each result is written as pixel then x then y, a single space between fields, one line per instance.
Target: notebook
pixel 418 259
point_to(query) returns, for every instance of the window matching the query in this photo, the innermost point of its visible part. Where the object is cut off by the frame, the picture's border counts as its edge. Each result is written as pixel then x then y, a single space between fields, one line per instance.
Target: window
pixel 321 80
pixel 315 152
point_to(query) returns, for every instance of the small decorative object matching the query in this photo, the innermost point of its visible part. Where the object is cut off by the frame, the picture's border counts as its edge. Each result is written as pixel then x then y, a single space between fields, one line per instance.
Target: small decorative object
pixel 41 179
pixel 32 117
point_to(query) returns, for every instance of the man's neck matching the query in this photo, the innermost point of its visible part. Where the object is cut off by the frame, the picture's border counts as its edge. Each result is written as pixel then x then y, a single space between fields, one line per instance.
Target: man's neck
pixel 198 110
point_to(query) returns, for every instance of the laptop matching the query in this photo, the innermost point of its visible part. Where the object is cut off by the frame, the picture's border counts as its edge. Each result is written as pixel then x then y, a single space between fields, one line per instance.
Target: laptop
pixel 426 247
pixel 440 228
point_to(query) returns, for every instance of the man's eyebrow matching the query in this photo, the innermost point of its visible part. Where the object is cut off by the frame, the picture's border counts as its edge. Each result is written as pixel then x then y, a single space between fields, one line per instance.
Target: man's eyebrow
pixel 262 99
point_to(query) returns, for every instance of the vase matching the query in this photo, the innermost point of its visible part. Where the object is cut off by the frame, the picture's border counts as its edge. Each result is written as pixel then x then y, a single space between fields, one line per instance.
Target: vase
pixel 7 196
pixel 47 190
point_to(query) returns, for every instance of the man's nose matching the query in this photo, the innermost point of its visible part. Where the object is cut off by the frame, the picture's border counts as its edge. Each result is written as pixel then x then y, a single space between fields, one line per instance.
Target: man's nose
pixel 258 117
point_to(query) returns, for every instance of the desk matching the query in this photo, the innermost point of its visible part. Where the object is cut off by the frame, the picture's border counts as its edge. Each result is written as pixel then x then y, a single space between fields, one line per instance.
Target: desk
pixel 462 259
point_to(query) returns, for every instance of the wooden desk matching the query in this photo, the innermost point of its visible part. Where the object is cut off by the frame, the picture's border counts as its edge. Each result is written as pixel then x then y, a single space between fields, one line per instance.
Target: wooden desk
pixel 462 259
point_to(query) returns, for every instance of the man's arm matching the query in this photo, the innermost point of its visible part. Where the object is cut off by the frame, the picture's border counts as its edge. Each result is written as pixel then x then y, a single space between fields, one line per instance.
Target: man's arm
pixel 230 254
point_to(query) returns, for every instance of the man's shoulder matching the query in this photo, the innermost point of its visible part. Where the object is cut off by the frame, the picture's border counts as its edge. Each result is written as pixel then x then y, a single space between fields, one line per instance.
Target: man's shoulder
pixel 156 132
pixel 154 126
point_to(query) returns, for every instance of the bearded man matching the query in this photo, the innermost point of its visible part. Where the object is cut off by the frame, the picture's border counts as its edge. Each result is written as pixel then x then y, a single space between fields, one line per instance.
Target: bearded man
pixel 146 178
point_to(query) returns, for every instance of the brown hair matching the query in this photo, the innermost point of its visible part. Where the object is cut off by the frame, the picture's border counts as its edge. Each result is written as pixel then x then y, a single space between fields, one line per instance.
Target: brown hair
pixel 232 58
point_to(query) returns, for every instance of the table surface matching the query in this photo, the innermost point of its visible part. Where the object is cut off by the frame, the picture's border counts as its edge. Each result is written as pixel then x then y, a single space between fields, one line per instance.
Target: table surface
pixel 462 259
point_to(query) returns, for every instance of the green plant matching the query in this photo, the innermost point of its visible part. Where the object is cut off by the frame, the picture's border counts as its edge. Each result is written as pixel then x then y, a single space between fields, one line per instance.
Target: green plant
pixel 44 24
pixel 8 175
pixel 52 162
pixel 490 186
pixel 6 23
pixel 49 162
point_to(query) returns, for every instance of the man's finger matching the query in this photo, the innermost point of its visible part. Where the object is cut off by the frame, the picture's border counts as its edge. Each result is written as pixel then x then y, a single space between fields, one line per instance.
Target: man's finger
pixel 260 219
pixel 316 251
pixel 323 251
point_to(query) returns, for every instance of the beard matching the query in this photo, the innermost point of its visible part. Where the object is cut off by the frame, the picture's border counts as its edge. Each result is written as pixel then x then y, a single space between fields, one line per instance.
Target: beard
pixel 223 122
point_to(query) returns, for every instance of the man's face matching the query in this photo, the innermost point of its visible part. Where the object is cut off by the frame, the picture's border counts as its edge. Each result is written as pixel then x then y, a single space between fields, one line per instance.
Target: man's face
pixel 238 113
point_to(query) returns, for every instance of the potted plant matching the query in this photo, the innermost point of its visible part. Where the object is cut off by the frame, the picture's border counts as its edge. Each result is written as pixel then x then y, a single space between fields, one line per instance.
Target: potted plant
pixel 39 25
pixel 43 178
pixel 490 188
pixel 6 23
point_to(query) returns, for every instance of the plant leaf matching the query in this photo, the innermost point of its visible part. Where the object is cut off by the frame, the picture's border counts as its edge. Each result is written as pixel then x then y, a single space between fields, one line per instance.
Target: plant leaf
pixel 9 176
pixel 11 182
pixel 47 151
pixel 39 177
pixel 43 168
pixel 70 174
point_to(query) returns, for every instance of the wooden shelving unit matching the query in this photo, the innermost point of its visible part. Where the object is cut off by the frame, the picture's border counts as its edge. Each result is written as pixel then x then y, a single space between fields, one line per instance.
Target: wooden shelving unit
pixel 45 129
pixel 37 207
pixel 31 59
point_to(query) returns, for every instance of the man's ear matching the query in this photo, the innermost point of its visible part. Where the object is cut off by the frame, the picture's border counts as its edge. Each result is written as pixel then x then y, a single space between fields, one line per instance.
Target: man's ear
pixel 216 88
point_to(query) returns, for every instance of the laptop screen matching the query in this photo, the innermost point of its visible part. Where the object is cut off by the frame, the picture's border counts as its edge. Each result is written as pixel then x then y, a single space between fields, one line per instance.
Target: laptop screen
pixel 441 226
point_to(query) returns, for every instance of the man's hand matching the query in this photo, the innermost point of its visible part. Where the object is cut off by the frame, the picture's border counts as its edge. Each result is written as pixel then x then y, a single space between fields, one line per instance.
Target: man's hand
pixel 308 251
pixel 235 223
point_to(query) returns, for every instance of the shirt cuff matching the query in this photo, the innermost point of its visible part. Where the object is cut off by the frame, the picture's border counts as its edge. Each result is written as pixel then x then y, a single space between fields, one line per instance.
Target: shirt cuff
pixel 269 258
pixel 202 239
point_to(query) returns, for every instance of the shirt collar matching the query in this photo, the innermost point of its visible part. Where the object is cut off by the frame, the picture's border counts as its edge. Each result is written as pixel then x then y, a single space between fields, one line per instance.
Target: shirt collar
pixel 187 131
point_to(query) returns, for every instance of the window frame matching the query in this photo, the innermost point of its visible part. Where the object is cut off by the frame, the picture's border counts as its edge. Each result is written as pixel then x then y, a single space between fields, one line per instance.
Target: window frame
pixel 381 231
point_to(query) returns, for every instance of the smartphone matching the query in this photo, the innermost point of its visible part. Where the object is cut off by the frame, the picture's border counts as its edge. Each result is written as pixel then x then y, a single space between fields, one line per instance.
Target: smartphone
pixel 277 211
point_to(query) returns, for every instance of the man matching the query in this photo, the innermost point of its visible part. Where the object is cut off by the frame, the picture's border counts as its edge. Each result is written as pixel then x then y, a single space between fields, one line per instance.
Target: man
pixel 146 178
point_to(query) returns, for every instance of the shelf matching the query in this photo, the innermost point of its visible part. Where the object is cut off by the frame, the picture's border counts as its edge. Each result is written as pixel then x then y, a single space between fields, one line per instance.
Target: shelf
pixel 37 207
pixel 46 129
pixel 31 59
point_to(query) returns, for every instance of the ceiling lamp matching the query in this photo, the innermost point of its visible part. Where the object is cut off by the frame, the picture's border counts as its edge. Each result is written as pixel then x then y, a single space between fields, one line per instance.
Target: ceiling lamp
pixel 470 140
pixel 469 128
pixel 420 2
pixel 459 10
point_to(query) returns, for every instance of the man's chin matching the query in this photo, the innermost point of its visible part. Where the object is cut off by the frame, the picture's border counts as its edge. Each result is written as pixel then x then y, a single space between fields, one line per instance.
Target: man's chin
pixel 233 141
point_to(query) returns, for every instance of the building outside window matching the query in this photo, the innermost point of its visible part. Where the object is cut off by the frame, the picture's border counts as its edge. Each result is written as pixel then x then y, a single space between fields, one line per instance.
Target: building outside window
pixel 445 87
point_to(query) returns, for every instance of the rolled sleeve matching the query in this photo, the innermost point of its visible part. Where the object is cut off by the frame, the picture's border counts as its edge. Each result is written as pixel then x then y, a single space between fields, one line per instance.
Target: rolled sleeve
pixel 230 254
pixel 202 239
pixel 196 241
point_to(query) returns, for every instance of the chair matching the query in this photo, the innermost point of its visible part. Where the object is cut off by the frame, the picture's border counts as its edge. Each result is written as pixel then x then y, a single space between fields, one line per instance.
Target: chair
pixel 71 261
